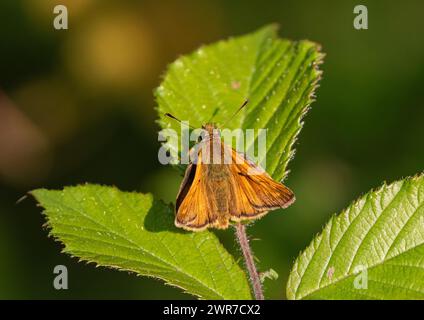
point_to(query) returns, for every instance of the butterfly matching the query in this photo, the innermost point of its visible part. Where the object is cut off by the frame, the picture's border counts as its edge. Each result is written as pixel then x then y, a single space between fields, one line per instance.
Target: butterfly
pixel 222 185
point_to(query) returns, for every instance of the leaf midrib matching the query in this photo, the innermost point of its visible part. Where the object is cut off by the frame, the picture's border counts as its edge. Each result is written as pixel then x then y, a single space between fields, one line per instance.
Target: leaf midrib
pixel 252 73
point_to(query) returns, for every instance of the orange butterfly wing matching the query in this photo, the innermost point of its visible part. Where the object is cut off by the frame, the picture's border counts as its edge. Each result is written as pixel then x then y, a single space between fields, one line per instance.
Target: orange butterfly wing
pixel 256 192
pixel 247 192
pixel 194 210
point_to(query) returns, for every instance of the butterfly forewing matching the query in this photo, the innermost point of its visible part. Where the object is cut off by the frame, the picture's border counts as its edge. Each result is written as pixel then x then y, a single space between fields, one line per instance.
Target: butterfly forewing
pixel 256 190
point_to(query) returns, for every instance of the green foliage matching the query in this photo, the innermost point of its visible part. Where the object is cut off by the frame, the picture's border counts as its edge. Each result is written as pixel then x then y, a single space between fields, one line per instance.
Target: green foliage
pixel 384 232
pixel 277 76
pixel 134 232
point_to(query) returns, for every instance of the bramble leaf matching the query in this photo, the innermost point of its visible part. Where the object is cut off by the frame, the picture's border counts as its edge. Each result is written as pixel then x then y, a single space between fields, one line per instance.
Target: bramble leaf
pixel 372 250
pixel 134 232
pixel 278 76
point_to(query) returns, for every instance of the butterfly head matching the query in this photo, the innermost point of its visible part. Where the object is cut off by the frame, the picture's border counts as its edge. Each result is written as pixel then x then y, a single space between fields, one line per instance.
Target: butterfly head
pixel 210 131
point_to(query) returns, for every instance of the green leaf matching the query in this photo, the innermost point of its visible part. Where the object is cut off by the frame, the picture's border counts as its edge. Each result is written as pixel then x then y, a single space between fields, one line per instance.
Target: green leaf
pixel 382 232
pixel 278 77
pixel 134 232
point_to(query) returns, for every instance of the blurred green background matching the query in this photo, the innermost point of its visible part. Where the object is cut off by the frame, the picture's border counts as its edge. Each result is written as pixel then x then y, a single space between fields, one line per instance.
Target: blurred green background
pixel 76 106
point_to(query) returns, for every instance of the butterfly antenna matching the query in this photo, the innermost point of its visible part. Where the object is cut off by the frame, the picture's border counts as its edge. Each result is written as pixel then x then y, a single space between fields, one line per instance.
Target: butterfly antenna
pixel 235 113
pixel 175 118
pixel 215 112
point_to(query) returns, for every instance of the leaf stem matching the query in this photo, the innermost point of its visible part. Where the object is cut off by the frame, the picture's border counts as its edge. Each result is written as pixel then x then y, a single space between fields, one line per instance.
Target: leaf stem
pixel 249 261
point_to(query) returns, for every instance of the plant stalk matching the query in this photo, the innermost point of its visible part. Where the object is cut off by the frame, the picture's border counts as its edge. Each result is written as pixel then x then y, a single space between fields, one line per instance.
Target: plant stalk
pixel 249 261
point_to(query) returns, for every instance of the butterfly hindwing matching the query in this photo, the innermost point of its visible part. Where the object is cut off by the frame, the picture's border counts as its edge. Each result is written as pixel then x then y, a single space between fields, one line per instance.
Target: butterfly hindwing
pixel 194 209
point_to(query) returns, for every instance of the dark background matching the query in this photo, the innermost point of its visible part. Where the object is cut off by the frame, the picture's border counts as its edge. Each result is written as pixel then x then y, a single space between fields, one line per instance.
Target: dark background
pixel 77 106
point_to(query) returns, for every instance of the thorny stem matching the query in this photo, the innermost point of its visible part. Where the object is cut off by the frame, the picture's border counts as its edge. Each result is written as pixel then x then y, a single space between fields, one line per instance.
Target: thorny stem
pixel 249 261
